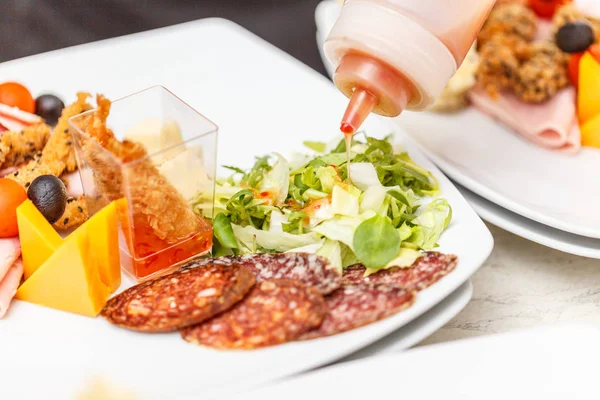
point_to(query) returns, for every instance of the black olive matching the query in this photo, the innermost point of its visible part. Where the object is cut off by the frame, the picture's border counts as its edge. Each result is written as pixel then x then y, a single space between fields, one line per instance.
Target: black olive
pixel 49 107
pixel 49 195
pixel 575 37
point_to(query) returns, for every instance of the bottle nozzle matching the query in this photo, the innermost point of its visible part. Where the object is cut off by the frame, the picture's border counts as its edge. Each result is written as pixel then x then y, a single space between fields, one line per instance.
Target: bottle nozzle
pixel 361 104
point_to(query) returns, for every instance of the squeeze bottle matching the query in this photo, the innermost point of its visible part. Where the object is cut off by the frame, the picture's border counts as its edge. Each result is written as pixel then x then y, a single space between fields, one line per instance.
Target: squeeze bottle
pixel 392 55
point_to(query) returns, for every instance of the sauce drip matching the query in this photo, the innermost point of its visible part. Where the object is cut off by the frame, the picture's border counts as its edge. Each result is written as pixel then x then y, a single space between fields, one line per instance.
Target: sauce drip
pixel 348 139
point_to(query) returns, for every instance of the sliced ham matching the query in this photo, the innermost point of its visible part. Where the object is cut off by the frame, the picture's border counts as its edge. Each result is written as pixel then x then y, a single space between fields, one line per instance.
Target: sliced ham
pixel 9 285
pixel 10 251
pixel 552 124
pixel 7 171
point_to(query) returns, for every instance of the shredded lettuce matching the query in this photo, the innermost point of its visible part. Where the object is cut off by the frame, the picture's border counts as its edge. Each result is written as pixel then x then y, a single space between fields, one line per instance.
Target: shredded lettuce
pixel 309 204
pixel 252 238
pixel 332 251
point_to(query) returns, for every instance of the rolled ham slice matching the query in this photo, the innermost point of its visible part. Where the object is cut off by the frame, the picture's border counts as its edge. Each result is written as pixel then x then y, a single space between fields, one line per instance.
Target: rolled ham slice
pixel 10 251
pixel 7 171
pixel 9 286
pixel 552 124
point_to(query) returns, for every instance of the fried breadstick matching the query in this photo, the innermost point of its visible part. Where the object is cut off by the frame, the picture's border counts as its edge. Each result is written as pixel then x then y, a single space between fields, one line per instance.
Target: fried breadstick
pixel 19 147
pixel 58 156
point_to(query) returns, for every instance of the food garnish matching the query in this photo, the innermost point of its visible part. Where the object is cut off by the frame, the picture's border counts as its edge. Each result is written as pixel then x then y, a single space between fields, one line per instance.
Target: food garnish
pixel 49 195
pixel 16 95
pixel 382 218
pixel 575 37
pixel 49 107
pixel 11 197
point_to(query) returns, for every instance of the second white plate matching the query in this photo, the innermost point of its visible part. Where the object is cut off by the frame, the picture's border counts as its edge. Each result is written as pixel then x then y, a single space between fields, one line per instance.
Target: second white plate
pixel 531 230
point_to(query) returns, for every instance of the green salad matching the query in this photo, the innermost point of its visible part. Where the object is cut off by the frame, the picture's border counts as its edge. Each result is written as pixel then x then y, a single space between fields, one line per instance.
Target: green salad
pixel 379 211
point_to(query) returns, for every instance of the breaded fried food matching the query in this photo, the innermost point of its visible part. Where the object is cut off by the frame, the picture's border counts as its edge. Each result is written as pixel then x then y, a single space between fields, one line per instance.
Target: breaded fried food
pixel 542 75
pixel 154 200
pixel 58 155
pixel 19 147
pixel 510 19
pixel 497 69
pixel 76 213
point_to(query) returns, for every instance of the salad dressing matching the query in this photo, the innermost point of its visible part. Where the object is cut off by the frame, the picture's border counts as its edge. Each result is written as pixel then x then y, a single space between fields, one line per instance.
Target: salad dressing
pixel 348 140
pixel 149 254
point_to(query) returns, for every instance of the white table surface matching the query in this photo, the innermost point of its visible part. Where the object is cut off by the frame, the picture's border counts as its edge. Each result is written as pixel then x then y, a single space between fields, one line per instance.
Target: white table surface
pixel 523 285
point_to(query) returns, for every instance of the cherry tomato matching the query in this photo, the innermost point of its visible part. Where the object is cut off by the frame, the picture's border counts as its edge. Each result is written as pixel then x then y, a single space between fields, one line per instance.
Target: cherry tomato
pixel 546 8
pixel 11 197
pixel 16 95
pixel 574 68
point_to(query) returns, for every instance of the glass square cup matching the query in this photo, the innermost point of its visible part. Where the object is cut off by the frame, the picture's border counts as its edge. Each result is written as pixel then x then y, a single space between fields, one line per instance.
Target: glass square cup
pixel 158 229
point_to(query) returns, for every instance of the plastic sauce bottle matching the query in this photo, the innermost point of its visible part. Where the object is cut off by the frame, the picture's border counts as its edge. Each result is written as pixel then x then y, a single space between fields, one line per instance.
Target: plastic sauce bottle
pixel 395 55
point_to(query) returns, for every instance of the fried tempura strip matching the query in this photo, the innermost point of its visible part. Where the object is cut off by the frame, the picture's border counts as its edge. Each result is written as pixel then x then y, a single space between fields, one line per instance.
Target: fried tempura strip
pixel 153 197
pixel 58 156
pixel 19 147
pixel 75 214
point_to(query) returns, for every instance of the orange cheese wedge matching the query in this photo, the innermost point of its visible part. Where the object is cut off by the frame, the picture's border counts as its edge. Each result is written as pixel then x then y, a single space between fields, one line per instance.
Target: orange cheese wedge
pixel 590 132
pixel 82 270
pixel 588 102
pixel 103 245
pixel 38 238
pixel 68 280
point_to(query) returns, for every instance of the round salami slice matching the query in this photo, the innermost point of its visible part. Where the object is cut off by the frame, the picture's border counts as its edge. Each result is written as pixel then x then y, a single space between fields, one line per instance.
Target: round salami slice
pixel 426 271
pixel 307 268
pixel 360 304
pixel 275 312
pixel 184 298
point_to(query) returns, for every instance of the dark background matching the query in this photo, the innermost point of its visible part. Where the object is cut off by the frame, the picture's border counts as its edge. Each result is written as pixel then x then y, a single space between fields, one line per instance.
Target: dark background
pixel 33 26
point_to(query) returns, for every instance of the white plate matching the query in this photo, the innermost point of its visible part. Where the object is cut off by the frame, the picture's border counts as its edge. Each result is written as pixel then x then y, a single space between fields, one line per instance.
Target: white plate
pixel 531 230
pixel 544 363
pixel 263 100
pixel 551 188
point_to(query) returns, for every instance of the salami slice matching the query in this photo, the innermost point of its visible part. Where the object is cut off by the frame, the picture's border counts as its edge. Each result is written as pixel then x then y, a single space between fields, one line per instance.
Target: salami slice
pixel 184 298
pixel 310 269
pixel 275 312
pixel 426 271
pixel 360 304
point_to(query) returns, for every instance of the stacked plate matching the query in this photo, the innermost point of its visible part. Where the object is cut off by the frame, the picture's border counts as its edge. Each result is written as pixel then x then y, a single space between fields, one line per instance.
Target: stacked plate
pixel 541 195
